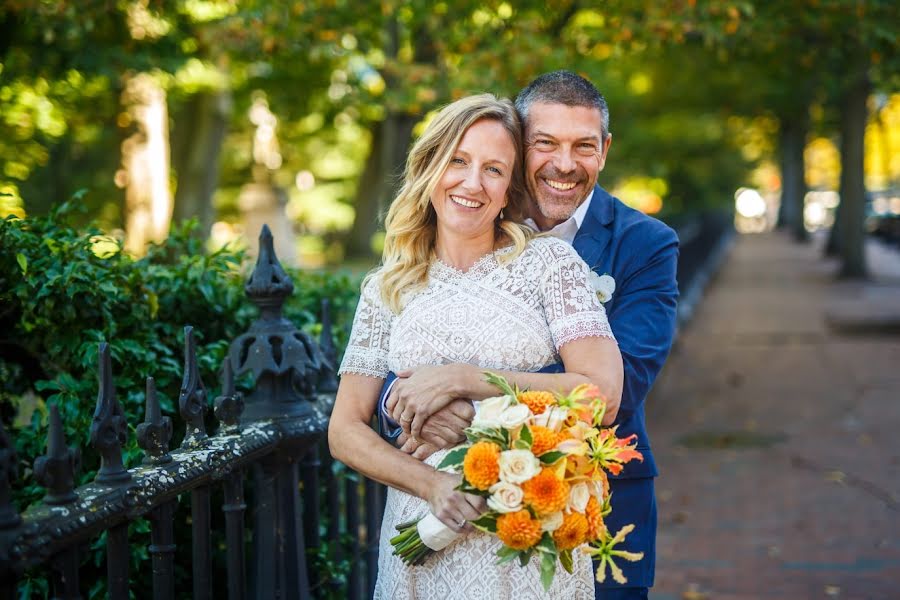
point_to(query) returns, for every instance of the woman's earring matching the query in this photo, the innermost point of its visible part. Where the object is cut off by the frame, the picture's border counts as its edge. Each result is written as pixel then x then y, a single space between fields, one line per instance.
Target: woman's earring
pixel 501 214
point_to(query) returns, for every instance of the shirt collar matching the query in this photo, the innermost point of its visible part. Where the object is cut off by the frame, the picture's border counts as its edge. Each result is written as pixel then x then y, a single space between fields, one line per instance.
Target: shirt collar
pixel 567 230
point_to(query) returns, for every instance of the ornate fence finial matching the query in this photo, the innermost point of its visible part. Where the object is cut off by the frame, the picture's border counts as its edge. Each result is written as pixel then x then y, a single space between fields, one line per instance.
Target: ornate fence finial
pixel 9 470
pixel 269 284
pixel 192 399
pixel 286 363
pixel 108 428
pixel 56 469
pixel 328 382
pixel 230 405
pixel 155 433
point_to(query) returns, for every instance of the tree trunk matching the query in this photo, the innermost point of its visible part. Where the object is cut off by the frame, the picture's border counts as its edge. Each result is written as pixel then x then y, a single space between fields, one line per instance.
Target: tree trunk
pixel 793 175
pixel 145 159
pixel 201 130
pixel 854 114
pixel 380 180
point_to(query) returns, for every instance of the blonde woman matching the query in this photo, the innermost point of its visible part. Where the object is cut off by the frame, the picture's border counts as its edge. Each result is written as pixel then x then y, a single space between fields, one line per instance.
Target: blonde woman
pixel 465 286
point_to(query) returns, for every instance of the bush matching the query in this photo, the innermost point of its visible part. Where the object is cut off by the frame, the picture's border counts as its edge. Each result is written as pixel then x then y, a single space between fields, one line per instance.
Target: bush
pixel 63 291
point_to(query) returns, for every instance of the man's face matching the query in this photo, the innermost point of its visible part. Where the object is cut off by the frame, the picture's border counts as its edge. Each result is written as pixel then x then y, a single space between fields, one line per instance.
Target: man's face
pixel 564 153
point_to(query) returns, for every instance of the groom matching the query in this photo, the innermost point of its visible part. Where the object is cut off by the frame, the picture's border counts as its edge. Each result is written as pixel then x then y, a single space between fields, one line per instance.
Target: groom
pixel 567 139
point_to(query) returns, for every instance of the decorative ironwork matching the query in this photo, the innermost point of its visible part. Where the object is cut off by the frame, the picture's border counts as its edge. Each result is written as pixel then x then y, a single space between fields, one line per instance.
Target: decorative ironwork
pixel 286 363
pixel 56 470
pixel 230 405
pixel 155 433
pixel 108 428
pixel 328 383
pixel 192 399
pixel 9 470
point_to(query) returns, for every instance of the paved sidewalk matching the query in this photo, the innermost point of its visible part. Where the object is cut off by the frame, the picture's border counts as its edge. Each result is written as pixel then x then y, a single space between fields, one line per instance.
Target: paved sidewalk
pixel 776 425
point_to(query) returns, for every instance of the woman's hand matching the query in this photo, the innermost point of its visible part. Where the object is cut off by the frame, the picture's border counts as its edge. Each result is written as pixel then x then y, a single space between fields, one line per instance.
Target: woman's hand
pixel 454 508
pixel 423 391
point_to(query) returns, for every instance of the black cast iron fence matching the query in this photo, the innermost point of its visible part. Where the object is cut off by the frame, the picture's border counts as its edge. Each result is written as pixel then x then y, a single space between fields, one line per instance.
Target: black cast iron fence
pixel 272 442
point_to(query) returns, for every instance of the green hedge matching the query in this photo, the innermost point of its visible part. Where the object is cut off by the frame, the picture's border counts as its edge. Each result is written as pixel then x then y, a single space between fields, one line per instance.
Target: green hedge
pixel 64 290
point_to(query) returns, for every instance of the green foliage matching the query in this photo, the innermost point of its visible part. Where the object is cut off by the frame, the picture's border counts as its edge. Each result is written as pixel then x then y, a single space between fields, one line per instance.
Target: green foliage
pixel 64 290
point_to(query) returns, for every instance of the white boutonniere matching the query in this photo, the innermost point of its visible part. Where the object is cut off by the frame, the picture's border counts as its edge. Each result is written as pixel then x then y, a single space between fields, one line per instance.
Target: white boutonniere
pixel 604 285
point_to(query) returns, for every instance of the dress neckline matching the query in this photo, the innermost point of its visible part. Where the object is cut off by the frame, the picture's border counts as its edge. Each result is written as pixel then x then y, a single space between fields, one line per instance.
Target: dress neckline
pixel 481 267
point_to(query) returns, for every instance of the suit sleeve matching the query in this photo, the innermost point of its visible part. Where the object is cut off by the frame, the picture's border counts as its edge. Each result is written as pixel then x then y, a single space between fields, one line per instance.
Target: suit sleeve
pixel 643 315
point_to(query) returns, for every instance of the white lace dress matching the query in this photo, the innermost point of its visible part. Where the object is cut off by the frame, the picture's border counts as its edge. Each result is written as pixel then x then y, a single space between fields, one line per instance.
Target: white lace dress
pixel 514 317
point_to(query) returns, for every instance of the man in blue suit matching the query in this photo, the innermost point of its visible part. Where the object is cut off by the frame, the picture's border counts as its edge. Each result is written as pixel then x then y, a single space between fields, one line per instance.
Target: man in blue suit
pixel 567 139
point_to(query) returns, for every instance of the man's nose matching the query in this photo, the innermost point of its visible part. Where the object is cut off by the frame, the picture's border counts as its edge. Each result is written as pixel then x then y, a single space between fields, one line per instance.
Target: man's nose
pixel 563 160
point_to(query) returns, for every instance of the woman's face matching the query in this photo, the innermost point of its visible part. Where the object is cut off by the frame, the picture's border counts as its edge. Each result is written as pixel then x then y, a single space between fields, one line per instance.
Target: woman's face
pixel 472 191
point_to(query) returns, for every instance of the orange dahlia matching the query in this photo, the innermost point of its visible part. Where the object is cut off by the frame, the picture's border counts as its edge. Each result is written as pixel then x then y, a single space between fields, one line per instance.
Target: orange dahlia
pixel 481 466
pixel 572 532
pixel 543 439
pixel 593 512
pixel 518 530
pixel 545 492
pixel 537 401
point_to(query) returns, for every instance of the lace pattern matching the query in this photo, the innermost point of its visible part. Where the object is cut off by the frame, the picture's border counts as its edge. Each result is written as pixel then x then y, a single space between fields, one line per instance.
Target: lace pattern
pixel 514 316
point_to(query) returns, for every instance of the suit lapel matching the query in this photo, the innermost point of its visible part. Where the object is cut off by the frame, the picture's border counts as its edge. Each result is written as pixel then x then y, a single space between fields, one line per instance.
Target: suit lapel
pixel 595 232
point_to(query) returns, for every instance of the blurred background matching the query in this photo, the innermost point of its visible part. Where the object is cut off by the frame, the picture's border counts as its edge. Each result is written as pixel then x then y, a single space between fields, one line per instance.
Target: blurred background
pixel 299 114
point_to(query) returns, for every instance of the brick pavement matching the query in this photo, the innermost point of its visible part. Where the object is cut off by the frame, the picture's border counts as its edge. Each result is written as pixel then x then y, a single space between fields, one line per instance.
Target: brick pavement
pixel 776 432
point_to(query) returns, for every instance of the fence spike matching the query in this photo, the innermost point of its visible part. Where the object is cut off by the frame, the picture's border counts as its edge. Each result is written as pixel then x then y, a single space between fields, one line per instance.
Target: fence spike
pixel 230 405
pixel 155 433
pixel 192 398
pixel 108 428
pixel 56 470
pixel 269 284
pixel 9 471
pixel 328 376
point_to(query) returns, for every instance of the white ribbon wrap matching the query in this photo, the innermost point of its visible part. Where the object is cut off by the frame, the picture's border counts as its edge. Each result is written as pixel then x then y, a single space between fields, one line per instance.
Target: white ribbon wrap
pixel 434 533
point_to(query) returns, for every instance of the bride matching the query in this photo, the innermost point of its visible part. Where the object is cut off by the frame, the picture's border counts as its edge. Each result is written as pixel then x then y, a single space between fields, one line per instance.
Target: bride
pixel 464 283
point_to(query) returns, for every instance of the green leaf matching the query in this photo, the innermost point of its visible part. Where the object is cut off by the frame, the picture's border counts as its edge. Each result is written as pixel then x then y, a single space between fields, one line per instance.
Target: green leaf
pixel 525 435
pixel 548 570
pixel 521 445
pixel 565 559
pixel 454 458
pixel 23 263
pixel 525 556
pixel 548 458
pixel 507 554
pixel 486 523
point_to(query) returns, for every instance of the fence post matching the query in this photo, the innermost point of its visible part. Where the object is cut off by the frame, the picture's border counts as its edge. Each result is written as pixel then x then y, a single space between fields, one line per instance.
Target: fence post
pixel 286 364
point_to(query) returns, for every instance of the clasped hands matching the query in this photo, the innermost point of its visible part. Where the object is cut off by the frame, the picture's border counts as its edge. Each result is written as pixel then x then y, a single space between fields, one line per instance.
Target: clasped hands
pixel 426 401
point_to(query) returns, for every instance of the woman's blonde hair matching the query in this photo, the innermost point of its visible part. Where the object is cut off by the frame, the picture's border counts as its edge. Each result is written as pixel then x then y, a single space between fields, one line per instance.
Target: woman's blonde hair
pixel 411 223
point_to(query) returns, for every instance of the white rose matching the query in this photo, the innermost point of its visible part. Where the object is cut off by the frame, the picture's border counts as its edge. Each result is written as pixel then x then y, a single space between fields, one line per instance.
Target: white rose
pixel 514 416
pixel 552 522
pixel 505 497
pixel 488 411
pixel 578 497
pixel 552 418
pixel 596 490
pixel 604 285
pixel 518 466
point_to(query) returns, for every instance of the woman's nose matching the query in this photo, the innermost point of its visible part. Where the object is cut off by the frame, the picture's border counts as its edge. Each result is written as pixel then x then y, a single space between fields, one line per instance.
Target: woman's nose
pixel 472 180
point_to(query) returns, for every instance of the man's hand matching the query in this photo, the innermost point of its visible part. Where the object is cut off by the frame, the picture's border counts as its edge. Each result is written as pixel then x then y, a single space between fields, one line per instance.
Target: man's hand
pixel 421 392
pixel 444 429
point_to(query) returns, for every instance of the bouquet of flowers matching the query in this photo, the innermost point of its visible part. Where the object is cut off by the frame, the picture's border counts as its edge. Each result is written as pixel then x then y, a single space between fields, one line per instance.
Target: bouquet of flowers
pixel 541 460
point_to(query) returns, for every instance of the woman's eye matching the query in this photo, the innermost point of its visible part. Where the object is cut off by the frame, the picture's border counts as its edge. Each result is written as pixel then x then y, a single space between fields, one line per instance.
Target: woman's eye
pixel 495 170
pixel 457 161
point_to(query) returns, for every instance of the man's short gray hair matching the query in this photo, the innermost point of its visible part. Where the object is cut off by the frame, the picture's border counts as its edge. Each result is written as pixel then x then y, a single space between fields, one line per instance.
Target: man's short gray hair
pixel 563 87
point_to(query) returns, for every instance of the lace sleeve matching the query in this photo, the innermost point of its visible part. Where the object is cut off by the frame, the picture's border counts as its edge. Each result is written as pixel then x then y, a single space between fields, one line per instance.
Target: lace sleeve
pixel 367 349
pixel 570 302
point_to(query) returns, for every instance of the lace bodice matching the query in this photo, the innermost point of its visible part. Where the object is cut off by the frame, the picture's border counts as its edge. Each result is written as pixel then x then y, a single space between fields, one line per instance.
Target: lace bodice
pixel 514 316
